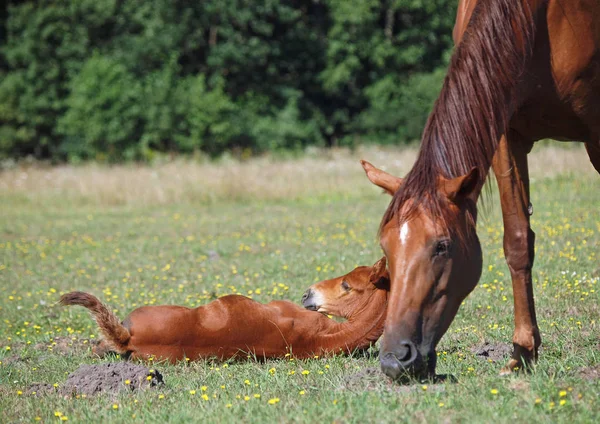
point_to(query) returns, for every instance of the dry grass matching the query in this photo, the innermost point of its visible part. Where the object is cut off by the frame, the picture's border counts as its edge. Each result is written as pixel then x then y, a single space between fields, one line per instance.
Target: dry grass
pixel 318 173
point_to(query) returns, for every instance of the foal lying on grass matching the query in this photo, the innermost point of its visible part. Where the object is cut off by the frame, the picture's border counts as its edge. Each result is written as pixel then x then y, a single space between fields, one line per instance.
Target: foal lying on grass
pixel 235 326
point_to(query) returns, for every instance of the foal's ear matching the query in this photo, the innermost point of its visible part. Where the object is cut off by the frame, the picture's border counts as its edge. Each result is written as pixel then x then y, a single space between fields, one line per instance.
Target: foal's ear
pixel 462 187
pixel 379 275
pixel 380 178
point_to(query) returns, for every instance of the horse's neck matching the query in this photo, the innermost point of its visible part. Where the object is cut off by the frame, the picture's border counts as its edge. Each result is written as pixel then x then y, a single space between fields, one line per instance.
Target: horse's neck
pixel 364 328
pixel 482 88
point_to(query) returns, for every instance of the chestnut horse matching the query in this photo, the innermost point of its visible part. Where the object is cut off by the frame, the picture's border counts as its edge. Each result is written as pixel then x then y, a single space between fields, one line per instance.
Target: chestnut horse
pixel 236 326
pixel 522 70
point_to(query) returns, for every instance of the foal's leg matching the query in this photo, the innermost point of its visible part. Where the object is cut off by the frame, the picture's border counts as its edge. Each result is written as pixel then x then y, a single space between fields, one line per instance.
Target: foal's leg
pixel 512 175
pixel 593 149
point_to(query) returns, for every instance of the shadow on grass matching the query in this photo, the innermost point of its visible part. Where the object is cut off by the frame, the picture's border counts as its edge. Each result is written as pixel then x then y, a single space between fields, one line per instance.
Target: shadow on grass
pixel 372 379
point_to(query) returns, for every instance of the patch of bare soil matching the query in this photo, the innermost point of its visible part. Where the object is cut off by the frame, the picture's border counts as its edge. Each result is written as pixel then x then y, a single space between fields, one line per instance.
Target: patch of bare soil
pixel 372 379
pixel 14 360
pixel 590 373
pixel 493 351
pixel 108 378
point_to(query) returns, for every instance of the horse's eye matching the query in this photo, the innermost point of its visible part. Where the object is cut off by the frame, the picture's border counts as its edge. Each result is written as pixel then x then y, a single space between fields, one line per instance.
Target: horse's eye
pixel 442 248
pixel 345 286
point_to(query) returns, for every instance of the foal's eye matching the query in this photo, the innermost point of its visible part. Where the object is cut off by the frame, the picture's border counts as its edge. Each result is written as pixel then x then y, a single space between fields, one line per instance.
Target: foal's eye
pixel 442 248
pixel 345 286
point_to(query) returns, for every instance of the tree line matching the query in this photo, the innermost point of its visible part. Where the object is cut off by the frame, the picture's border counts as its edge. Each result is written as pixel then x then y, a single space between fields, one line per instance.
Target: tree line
pixel 113 80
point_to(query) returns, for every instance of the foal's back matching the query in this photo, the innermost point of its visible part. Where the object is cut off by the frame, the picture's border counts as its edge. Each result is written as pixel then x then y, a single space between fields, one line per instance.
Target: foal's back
pixel 224 328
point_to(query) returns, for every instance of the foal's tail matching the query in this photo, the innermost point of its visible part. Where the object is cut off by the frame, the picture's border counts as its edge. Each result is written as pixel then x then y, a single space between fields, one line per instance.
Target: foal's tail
pixel 116 335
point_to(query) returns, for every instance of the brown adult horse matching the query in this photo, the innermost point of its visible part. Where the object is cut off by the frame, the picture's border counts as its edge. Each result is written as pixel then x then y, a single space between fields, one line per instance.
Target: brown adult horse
pixel 522 70
pixel 236 326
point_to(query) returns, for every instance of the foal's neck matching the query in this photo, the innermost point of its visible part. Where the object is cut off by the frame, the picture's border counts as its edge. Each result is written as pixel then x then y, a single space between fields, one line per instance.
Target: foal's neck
pixel 361 329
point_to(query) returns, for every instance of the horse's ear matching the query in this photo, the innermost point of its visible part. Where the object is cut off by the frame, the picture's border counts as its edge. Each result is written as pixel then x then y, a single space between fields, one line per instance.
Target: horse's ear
pixel 379 275
pixel 462 187
pixel 382 179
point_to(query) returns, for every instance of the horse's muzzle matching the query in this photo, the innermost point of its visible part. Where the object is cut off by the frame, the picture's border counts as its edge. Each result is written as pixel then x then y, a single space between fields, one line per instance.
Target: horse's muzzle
pixel 308 302
pixel 405 360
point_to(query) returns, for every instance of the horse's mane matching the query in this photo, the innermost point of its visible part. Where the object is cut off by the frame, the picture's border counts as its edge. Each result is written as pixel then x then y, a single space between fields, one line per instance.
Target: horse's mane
pixel 473 108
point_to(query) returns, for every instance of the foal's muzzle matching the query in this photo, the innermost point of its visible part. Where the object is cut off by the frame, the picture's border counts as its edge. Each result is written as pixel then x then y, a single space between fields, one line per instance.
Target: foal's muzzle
pixel 308 301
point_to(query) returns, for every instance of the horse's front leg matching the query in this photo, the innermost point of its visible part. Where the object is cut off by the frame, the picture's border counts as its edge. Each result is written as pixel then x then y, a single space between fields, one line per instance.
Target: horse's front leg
pixel 593 150
pixel 512 175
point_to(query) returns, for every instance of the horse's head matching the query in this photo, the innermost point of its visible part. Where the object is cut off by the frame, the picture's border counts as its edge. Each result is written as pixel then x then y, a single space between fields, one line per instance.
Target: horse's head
pixel 347 296
pixel 433 266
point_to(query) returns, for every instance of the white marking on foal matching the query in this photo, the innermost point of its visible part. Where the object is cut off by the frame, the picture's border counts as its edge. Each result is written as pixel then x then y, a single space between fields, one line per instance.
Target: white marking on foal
pixel 404 233
pixel 318 299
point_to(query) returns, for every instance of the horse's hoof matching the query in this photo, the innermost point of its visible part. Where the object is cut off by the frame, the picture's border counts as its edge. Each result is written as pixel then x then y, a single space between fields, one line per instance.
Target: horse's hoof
pixel 512 366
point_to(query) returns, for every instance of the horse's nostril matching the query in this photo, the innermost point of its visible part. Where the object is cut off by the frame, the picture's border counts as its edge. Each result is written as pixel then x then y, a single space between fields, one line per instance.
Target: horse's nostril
pixel 404 358
pixel 407 354
pixel 404 353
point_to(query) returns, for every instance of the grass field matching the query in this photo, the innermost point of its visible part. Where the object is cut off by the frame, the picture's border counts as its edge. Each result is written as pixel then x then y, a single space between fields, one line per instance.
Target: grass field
pixel 185 233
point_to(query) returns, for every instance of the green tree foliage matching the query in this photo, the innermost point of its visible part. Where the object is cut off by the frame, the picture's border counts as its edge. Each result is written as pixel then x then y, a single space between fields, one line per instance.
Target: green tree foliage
pixel 104 110
pixel 122 79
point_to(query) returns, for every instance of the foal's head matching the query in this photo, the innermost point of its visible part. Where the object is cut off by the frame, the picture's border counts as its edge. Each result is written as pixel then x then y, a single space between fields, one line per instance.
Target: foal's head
pixel 434 263
pixel 349 295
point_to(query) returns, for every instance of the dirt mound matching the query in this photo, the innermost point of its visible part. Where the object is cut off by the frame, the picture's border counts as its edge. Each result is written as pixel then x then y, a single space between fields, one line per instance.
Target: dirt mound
pixel 103 378
pixel 372 379
pixel 493 351
pixel 590 373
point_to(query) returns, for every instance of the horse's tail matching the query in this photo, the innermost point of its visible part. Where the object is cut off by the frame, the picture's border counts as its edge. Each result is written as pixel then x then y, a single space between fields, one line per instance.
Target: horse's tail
pixel 115 333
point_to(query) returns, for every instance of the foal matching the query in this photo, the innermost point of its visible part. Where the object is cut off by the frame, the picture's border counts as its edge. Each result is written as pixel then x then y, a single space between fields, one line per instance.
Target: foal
pixel 236 326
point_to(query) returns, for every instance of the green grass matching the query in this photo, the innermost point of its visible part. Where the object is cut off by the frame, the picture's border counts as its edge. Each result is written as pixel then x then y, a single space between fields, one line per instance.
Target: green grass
pixel 130 255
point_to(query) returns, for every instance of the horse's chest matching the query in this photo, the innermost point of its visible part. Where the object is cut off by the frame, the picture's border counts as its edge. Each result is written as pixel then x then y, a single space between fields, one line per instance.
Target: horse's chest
pixel 544 117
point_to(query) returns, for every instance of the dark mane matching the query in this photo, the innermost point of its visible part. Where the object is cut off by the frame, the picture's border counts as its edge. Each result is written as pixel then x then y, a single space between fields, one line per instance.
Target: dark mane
pixel 473 108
